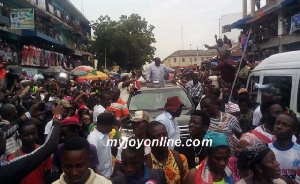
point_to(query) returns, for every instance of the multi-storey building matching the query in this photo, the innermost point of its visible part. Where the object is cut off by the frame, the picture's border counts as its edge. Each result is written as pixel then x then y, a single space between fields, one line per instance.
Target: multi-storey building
pixel 188 58
pixel 275 26
pixel 45 32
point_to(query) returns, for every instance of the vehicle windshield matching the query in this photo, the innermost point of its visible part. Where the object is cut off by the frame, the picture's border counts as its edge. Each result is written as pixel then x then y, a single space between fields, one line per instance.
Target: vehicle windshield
pixel 156 99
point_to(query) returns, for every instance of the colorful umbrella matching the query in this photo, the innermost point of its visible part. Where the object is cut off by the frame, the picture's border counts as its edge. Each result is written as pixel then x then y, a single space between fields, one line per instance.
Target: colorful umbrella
pixel 90 76
pixel 79 72
pixel 88 69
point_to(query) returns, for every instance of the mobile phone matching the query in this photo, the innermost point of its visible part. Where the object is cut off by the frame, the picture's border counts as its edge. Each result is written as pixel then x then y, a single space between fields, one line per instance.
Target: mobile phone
pixel 42 107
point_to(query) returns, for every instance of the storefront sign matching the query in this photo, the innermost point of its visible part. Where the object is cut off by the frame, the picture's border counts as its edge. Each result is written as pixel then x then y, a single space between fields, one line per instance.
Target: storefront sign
pixel 42 4
pixel 22 18
pixel 295 23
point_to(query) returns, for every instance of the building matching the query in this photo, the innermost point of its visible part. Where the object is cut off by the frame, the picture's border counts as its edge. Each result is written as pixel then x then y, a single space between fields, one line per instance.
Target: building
pixel 44 33
pixel 188 58
pixel 275 26
pixel 225 26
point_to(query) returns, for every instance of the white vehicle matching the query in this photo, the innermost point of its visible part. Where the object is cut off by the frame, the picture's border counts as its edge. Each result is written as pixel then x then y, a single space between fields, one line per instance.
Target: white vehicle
pixel 280 75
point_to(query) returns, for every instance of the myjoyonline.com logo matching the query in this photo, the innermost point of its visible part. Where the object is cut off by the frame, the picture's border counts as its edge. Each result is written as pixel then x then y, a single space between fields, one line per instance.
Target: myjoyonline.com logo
pixel 163 142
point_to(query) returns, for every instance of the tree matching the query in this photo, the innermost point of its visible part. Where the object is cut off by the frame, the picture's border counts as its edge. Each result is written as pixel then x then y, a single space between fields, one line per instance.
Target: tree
pixel 127 41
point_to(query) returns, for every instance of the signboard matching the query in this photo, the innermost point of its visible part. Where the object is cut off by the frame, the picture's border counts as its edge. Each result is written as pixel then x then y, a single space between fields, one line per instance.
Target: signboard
pixel 22 18
pixel 42 4
pixel 295 23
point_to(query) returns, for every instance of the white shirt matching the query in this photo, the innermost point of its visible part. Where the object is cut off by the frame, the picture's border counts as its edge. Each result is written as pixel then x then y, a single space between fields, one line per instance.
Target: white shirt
pixel 48 127
pixel 256 116
pixel 98 109
pixel 120 149
pixel 289 160
pixel 171 126
pixel 141 79
pixel 103 150
pixel 124 95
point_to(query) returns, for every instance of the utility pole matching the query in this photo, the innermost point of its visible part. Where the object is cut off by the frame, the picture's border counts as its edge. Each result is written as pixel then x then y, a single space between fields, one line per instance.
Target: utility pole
pixel 105 57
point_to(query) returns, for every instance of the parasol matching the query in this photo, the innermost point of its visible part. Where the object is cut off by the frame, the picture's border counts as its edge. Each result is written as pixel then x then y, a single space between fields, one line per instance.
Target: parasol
pixel 90 76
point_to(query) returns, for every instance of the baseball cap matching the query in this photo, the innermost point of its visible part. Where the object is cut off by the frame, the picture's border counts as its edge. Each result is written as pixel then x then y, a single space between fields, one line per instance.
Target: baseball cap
pixel 140 116
pixel 64 103
pixel 73 120
pixel 173 104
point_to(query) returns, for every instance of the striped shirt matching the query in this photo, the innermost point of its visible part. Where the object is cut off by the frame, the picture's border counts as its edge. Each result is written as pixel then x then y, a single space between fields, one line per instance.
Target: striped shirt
pixel 120 108
pixel 227 124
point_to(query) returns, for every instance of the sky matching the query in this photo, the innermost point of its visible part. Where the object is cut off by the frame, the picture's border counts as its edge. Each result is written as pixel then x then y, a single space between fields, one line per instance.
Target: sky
pixel 179 24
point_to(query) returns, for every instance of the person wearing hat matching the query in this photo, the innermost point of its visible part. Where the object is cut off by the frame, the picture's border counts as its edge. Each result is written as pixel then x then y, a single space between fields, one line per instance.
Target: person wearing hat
pixel 70 128
pixel 66 106
pixel 138 123
pixel 100 138
pixel 173 109
pixel 214 168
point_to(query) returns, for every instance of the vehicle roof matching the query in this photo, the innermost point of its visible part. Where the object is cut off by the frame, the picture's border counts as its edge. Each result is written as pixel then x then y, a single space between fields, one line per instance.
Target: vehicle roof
pixel 166 86
pixel 287 60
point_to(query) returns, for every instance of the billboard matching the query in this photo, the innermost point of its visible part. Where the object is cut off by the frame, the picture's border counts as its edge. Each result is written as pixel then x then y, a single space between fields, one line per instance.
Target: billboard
pixel 22 18
pixel 295 23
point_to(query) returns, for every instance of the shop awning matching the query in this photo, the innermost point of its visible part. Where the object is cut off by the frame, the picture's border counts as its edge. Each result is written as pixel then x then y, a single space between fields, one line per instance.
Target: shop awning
pixel 240 23
pixel 31 33
pixel 271 9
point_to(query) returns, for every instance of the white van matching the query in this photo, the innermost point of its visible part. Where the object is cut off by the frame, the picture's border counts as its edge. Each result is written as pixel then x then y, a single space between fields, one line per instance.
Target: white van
pixel 280 75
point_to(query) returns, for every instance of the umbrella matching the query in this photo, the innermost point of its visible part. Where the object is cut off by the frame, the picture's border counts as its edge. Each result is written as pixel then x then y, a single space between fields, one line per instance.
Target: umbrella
pixel 54 70
pixel 87 69
pixel 79 72
pixel 90 76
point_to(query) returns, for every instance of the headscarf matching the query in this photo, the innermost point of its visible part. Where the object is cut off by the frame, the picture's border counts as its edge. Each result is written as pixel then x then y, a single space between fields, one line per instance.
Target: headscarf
pixel 256 153
pixel 218 139
pixel 249 137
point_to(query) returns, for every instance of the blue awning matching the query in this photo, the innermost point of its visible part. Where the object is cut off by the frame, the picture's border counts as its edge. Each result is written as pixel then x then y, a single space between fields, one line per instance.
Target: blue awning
pixel 240 23
pixel 42 36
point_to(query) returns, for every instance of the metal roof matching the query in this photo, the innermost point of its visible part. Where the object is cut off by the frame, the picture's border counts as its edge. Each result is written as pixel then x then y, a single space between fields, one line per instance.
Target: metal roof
pixel 287 60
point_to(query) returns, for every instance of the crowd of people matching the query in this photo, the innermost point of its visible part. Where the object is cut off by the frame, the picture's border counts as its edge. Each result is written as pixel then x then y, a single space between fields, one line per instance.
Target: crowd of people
pixel 54 132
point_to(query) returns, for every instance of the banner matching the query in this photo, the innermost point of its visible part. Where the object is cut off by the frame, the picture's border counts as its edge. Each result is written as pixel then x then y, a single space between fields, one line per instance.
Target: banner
pixel 295 23
pixel 42 4
pixel 22 18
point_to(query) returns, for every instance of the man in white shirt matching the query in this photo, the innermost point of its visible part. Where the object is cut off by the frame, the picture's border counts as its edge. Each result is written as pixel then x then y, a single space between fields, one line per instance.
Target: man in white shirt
pixel 157 71
pixel 126 86
pixel 104 102
pixel 287 152
pixel 99 137
pixel 220 47
pixel 173 109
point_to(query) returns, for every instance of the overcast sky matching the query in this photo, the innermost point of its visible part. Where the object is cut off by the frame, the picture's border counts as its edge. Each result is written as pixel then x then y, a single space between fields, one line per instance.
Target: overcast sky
pixel 198 18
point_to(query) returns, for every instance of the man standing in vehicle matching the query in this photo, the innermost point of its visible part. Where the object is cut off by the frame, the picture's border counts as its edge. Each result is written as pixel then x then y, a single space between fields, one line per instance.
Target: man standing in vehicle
pixel 157 71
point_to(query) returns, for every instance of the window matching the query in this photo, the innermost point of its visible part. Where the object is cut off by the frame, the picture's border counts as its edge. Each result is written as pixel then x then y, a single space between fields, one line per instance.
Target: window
pixel 226 28
pixel 175 60
pixel 251 86
pixel 191 60
pixel 280 88
pixel 183 60
pixel 195 59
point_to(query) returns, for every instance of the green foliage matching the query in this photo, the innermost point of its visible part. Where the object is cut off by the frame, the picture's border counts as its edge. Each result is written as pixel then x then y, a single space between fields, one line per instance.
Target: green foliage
pixel 127 42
